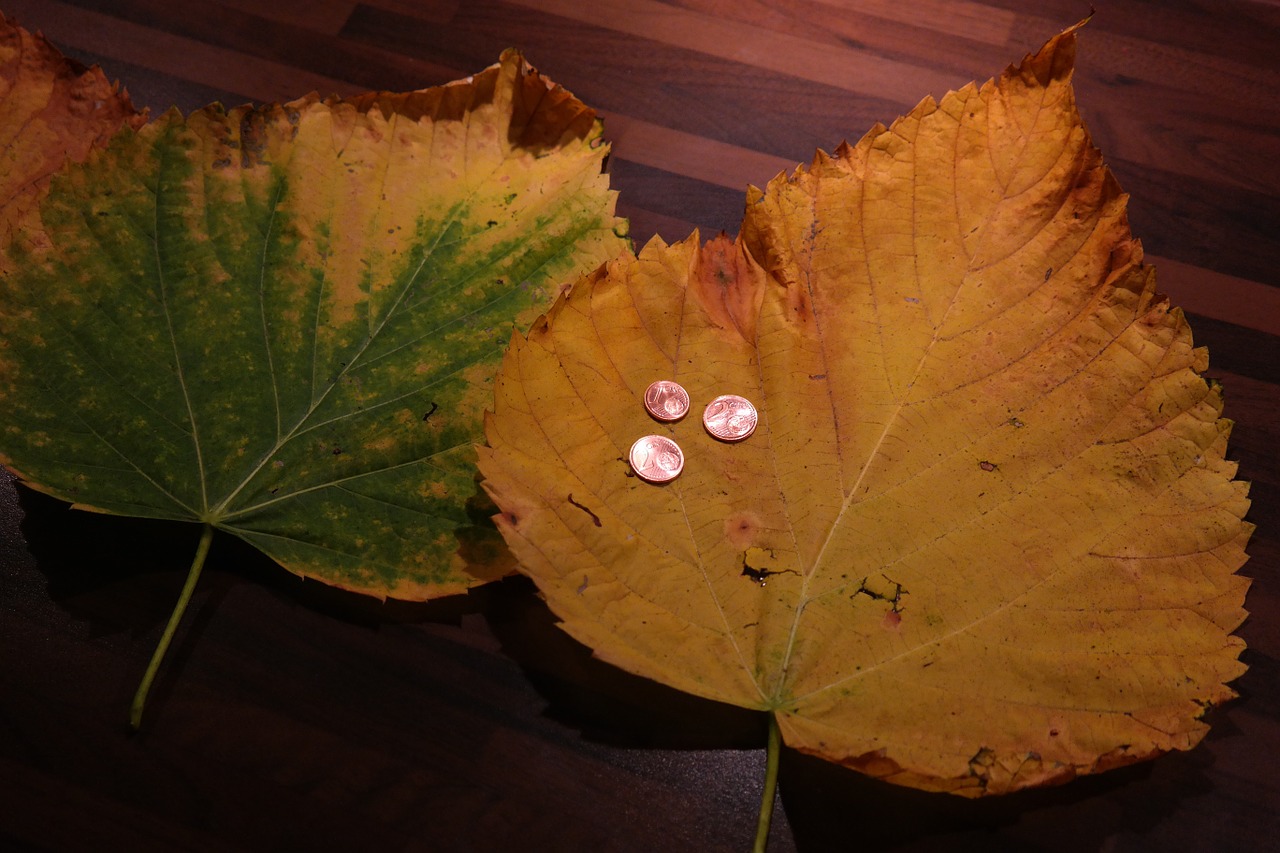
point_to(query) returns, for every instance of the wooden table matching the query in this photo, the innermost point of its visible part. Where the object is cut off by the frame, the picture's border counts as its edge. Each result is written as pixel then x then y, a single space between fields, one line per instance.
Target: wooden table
pixel 292 716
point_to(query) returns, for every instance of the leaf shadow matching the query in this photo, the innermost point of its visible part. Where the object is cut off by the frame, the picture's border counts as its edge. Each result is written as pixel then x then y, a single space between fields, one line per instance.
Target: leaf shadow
pixel 120 577
pixel 93 561
pixel 607 705
pixel 826 803
pixel 103 569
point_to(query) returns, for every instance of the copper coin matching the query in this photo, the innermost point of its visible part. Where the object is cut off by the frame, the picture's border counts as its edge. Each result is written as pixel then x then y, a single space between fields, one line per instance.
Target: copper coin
pixel 666 400
pixel 730 417
pixel 657 459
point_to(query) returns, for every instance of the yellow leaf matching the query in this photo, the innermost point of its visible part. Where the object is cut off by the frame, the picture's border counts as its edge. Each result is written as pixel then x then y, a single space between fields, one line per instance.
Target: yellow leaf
pixel 984 536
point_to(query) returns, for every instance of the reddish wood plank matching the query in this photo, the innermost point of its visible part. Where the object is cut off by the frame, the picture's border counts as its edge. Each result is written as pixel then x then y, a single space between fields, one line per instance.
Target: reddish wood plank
pixel 321 16
pixel 176 55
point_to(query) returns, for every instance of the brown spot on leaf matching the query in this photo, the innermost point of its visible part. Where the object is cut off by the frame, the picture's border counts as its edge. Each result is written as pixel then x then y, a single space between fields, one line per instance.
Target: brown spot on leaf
pixel 594 518
pixel 741 529
pixel 729 285
pixel 876 764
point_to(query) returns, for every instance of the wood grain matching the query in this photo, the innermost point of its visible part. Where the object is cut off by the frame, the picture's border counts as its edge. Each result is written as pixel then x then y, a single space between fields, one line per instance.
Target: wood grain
pixel 292 716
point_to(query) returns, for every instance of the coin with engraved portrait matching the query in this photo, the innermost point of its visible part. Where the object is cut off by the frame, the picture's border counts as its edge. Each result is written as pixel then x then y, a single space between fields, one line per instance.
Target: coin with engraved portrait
pixel 666 400
pixel 730 417
pixel 657 459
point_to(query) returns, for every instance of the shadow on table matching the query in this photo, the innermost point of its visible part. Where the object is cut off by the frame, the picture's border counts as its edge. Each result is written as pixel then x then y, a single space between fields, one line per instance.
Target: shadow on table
pixel 118 572
pixel 608 705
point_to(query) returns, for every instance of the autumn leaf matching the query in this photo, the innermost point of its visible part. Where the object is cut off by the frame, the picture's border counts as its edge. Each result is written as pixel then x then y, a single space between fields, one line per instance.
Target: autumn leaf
pixel 983 537
pixel 51 109
pixel 283 322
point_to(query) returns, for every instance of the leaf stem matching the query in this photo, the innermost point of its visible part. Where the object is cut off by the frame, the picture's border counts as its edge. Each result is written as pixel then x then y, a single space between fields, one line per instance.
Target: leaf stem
pixel 770 786
pixel 193 576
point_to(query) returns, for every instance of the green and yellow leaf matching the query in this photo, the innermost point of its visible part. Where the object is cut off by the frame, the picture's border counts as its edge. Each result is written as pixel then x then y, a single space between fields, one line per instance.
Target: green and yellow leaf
pixel 284 321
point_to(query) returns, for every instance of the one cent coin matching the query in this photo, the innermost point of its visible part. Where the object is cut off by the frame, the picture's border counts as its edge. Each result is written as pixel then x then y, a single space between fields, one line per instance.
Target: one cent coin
pixel 657 459
pixel 730 417
pixel 666 400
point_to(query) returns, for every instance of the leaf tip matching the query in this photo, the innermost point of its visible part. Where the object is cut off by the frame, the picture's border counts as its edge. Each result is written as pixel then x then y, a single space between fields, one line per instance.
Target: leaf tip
pixel 1055 60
